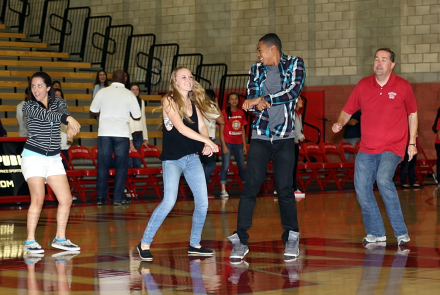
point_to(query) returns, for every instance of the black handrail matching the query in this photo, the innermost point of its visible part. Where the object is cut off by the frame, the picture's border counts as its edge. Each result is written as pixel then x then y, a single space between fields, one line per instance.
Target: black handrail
pixel 198 79
pixel 147 69
pixel 314 127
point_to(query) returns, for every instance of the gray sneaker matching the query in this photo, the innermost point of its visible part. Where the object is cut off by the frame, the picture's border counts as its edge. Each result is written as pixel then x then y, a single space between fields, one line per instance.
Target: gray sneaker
pixel 403 239
pixel 65 245
pixel 238 249
pixel 292 246
pixel 33 248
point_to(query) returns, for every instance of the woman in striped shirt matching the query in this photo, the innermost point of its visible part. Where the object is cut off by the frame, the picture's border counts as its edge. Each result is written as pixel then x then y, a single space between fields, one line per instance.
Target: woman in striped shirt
pixel 41 161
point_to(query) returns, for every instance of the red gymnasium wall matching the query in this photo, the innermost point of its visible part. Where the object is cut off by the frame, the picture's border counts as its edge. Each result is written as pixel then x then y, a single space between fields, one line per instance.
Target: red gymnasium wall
pixel 428 101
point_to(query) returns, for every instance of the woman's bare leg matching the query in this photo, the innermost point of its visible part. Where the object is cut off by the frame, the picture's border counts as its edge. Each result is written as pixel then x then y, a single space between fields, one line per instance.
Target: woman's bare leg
pixel 61 189
pixel 37 191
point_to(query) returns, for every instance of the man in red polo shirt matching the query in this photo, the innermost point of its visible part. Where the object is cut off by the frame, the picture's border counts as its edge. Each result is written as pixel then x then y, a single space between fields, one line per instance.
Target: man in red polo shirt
pixel 388 106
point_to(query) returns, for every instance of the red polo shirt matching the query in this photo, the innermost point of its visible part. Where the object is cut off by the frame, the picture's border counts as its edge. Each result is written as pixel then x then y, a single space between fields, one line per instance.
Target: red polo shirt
pixel 385 110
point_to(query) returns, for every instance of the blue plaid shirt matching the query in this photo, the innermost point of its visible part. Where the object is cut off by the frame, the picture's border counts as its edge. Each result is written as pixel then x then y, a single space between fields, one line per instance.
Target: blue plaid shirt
pixel 292 74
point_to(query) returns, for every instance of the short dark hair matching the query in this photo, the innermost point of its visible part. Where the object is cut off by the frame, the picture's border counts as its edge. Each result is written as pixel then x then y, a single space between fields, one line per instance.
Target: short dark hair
pixel 55 82
pixel 271 39
pixel 392 54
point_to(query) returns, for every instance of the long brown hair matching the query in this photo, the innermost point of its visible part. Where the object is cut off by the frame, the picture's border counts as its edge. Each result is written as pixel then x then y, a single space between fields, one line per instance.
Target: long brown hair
pixel 196 95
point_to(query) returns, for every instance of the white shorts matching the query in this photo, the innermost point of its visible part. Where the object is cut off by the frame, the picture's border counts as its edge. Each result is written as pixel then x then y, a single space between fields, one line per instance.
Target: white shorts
pixel 41 166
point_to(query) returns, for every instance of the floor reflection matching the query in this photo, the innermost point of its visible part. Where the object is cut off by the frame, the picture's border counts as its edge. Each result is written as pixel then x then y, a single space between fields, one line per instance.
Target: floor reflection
pixel 332 259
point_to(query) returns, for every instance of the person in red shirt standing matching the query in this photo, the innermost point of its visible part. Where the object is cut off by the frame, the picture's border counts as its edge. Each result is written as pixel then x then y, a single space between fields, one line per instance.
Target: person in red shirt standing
pixel 233 139
pixel 388 106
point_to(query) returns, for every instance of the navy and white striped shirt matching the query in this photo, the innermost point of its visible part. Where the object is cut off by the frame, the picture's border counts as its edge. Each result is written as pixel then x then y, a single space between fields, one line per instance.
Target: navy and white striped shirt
pixel 44 126
pixel 292 74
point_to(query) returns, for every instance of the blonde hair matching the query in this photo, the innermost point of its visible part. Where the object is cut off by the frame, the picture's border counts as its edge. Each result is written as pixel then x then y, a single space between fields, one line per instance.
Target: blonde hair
pixel 196 95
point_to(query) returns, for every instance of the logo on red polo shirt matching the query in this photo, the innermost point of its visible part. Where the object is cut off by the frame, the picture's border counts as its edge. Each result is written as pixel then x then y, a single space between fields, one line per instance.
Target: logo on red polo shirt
pixel 392 95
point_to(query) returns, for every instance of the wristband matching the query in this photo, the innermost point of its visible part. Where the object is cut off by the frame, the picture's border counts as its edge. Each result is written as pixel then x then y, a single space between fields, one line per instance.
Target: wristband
pixel 413 144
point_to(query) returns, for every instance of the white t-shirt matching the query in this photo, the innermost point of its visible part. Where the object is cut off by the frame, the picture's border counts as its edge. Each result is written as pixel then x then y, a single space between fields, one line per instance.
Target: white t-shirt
pixel 210 123
pixel 115 103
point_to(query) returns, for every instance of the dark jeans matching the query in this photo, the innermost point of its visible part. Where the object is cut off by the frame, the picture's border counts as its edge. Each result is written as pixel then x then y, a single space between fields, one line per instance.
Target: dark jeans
pixel 437 149
pixel 408 168
pixel 138 140
pixel 108 145
pixel 208 165
pixel 295 168
pixel 283 155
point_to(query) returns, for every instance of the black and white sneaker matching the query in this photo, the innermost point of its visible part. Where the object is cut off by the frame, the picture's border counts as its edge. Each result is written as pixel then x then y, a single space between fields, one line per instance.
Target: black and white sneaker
pixel 199 251
pixel 144 254
pixel 65 245
pixel 33 248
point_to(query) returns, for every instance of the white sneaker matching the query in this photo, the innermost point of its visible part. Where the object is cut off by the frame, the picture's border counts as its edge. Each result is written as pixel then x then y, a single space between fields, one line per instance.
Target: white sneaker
pixel 435 177
pixel 373 239
pixel 403 239
pixel 275 192
pixel 299 194
pixel 224 194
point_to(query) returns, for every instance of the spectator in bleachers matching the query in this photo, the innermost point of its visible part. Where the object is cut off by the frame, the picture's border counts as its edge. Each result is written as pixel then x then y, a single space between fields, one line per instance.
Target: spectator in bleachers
pixel 56 85
pixel 408 168
pixel 233 140
pixel 66 142
pixel 127 82
pixel 436 129
pixel 41 162
pixel 184 136
pixel 100 81
pixel 352 132
pixel 299 138
pixel 138 130
pixel 22 124
pixel 217 118
pixel 3 132
pixel 114 105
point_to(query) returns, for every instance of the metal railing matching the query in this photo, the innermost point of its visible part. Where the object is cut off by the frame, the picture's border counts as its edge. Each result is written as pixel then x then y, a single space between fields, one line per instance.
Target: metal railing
pixel 190 61
pixel 73 30
pixel 158 74
pixel 115 47
pixel 212 73
pixel 135 45
pixel 92 44
pixel 14 12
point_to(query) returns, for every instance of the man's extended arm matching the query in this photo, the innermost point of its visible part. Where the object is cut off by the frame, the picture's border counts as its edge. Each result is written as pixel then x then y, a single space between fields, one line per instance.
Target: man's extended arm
pixel 342 121
pixel 413 122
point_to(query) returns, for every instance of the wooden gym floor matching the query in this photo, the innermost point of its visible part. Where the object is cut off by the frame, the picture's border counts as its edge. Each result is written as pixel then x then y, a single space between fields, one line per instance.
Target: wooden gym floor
pixel 332 258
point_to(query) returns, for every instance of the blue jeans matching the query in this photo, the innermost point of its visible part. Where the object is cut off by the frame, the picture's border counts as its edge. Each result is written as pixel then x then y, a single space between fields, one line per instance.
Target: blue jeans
pixel 138 140
pixel 171 170
pixel 380 167
pixel 237 149
pixel 108 145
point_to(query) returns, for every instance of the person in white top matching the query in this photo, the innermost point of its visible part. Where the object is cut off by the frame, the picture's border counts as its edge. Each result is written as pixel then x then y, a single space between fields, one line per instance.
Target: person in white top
pixel 218 118
pixel 22 124
pixel 138 130
pixel 66 142
pixel 114 105
pixel 100 82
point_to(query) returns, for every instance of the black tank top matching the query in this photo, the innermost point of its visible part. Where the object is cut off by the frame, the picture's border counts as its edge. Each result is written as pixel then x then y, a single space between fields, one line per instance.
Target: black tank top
pixel 176 145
